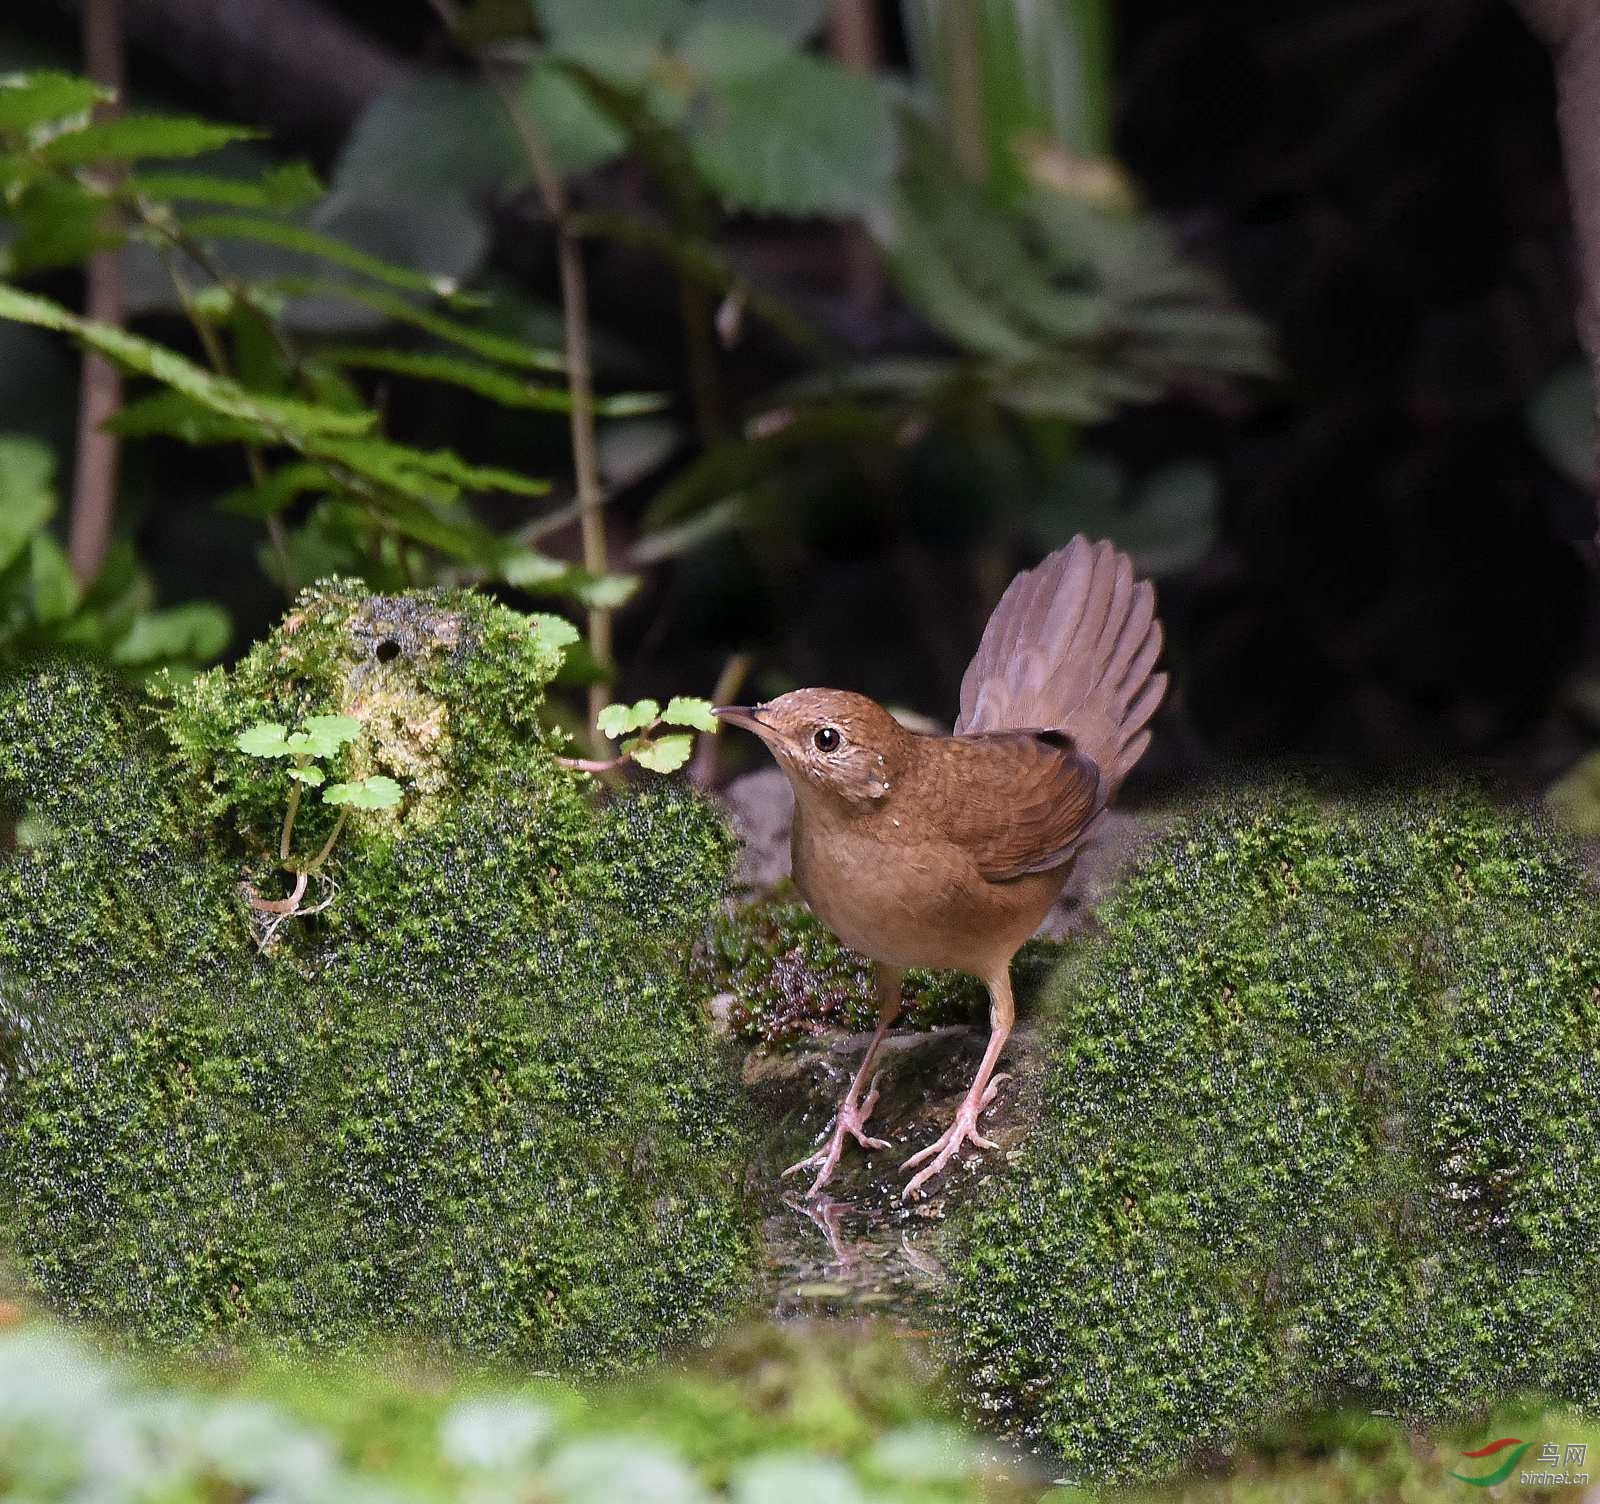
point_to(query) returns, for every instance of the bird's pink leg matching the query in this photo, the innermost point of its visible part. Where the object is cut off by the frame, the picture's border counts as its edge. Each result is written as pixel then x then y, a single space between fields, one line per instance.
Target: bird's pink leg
pixel 964 1130
pixel 854 1109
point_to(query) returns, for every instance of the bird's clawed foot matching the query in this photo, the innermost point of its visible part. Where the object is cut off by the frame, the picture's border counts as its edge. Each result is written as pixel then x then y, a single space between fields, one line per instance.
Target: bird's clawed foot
pixel 964 1130
pixel 850 1121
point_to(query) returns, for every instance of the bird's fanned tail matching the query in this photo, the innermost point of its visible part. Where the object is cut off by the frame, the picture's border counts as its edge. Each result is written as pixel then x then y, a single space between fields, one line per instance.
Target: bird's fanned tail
pixel 1072 646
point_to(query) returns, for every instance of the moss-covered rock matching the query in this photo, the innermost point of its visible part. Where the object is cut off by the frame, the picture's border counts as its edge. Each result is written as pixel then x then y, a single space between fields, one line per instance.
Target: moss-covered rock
pixel 468 1094
pixel 787 978
pixel 1319 1122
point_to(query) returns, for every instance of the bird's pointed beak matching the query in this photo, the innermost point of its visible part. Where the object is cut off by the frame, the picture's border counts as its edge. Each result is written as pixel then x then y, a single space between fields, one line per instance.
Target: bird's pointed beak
pixel 746 717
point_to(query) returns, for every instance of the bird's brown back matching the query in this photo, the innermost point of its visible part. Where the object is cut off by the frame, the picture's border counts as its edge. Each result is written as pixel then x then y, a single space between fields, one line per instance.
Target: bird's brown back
pixel 1015 801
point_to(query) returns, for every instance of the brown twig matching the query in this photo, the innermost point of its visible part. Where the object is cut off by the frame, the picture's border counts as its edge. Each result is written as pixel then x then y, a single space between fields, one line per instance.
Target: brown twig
pixel 94 487
pixel 289 905
pixel 706 765
pixel 580 379
pixel 595 764
pixel 575 343
pixel 853 39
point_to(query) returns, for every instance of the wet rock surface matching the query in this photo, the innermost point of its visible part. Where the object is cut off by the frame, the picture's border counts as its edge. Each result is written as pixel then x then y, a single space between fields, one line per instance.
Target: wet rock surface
pixel 858 1246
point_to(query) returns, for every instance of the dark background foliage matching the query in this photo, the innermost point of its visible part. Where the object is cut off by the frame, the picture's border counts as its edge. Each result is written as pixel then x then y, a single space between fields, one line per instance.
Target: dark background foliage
pixel 1395 567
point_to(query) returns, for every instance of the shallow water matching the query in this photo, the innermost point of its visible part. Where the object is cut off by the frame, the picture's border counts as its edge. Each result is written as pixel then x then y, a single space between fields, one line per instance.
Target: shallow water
pixel 858 1248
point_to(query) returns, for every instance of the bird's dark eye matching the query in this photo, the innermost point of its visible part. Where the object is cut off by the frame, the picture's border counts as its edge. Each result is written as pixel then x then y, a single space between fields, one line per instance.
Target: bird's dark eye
pixel 826 739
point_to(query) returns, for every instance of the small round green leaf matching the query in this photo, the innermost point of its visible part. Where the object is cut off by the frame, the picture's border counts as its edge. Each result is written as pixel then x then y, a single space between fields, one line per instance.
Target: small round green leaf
pixel 614 720
pixel 376 792
pixel 682 710
pixel 666 754
pixel 264 739
pixel 330 732
pixel 553 631
pixel 312 776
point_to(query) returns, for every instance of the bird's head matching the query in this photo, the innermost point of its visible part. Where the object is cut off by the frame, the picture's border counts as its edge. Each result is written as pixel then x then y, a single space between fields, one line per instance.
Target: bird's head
pixel 828 741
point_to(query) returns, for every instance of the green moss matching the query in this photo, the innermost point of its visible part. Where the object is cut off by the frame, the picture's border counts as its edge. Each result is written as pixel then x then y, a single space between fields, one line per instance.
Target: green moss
pixel 473 1097
pixel 1318 1122
pixel 789 978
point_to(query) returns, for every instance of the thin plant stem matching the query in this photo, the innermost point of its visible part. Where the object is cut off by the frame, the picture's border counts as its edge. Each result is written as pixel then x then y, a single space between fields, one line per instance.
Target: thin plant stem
pixel 575 343
pixel 218 356
pixel 854 41
pixel 94 490
pixel 288 821
pixel 595 764
pixel 700 347
pixel 315 864
pixel 580 383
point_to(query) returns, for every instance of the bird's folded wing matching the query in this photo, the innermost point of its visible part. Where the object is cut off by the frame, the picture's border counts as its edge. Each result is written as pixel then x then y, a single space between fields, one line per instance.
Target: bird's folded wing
pixel 1016 801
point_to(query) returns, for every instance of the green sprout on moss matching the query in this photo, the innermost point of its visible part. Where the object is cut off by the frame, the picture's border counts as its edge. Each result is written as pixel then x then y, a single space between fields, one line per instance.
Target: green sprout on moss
pixel 641 723
pixel 320 737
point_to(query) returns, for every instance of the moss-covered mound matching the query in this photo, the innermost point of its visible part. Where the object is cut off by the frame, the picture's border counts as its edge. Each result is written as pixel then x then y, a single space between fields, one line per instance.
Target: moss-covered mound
pixel 467 1093
pixel 787 978
pixel 1320 1121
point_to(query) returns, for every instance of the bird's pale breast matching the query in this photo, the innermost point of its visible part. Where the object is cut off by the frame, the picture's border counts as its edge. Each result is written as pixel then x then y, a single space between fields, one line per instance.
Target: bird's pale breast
pixel 917 904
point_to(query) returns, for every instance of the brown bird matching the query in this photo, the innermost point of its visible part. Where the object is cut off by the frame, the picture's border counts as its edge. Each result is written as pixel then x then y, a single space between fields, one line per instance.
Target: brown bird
pixel 948 851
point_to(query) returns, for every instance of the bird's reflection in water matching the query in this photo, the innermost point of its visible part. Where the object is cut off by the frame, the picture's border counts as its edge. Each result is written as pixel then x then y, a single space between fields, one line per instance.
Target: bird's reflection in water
pixel 825 1214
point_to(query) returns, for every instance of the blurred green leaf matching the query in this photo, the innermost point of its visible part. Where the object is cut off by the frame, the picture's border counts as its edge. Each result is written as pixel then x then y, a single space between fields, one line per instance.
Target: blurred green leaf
pixel 486 381
pixel 802 136
pixel 621 40
pixel 27 494
pixel 483 342
pixel 579 136
pixel 57 223
pixel 143 356
pixel 1171 524
pixel 720 49
pixel 429 135
pixel 280 190
pixel 28 100
pixel 126 138
pixel 1005 73
pixel 312 776
pixel 1168 524
pixel 56 592
pixel 605 592
pixel 298 238
pixel 281 488
pixel 410 469
pixel 672 542
pixel 528 569
pixel 794 1478
pixel 796 21
pixel 196 632
pixel 170 414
